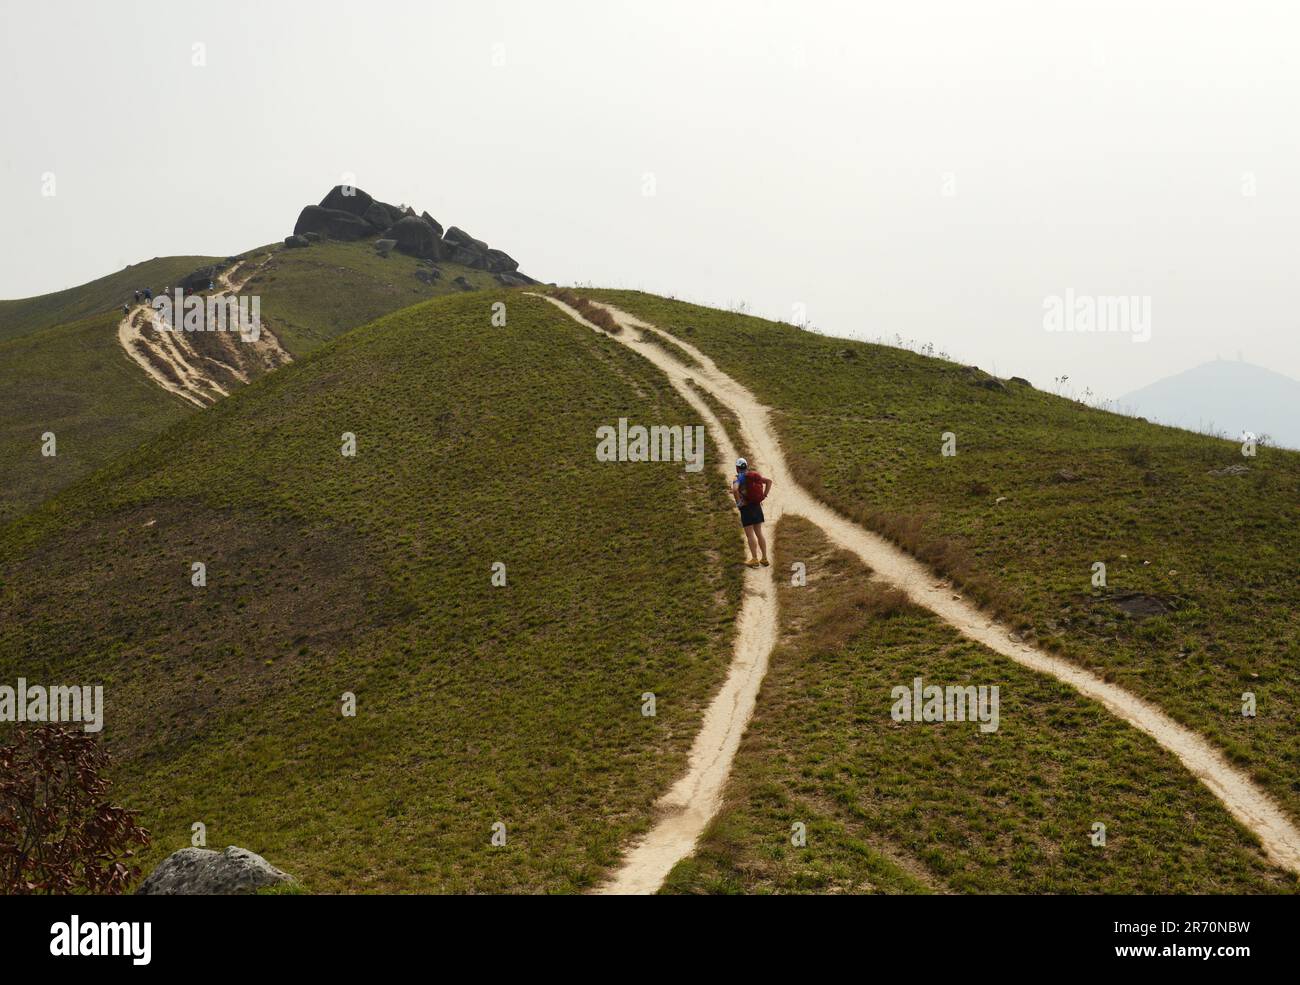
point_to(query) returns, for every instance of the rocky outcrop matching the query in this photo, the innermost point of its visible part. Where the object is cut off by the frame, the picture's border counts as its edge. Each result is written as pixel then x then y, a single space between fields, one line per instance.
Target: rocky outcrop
pixel 458 237
pixel 499 261
pixel 202 872
pixel 296 242
pixel 347 213
pixel 334 223
pixel 381 215
pixel 414 237
pixel 344 198
pixel 511 278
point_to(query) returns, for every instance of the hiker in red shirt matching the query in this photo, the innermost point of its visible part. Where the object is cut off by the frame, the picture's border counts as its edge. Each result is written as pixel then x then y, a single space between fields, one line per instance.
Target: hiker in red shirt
pixel 749 489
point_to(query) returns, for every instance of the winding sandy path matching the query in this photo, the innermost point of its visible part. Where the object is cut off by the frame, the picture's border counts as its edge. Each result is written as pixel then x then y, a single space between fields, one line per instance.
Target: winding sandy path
pixel 187 376
pixel 696 800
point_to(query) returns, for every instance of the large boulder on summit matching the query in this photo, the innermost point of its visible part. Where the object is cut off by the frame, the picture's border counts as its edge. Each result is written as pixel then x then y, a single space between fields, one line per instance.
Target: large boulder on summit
pixel 342 198
pixel 203 872
pixel 512 278
pixel 381 215
pixel 469 256
pixel 414 237
pixel 332 222
pixel 437 226
pixel 499 261
pixel 458 237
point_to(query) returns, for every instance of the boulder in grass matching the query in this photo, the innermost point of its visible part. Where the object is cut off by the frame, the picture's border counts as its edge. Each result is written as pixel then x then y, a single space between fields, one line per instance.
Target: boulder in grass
pixel 384 246
pixel 296 242
pixel 203 872
pixel 463 284
pixel 1230 470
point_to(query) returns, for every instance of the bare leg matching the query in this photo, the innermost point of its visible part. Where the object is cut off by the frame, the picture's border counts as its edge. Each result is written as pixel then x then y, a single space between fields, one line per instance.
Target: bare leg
pixel 758 535
pixel 752 540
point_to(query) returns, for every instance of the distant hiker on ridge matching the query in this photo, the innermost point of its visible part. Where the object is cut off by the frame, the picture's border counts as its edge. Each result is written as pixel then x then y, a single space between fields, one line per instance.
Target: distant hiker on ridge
pixel 749 489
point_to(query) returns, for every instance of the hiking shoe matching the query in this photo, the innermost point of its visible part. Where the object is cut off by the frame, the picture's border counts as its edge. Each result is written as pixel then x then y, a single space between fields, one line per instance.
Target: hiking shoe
pixel 752 563
pixel 765 562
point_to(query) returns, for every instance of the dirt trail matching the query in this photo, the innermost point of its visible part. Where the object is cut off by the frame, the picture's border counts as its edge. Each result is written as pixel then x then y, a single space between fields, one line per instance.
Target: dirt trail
pixel 1240 795
pixel 683 811
pixel 171 359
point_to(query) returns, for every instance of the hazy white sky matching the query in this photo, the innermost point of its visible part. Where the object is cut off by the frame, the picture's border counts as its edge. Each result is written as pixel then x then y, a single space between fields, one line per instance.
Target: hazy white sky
pixel 934 170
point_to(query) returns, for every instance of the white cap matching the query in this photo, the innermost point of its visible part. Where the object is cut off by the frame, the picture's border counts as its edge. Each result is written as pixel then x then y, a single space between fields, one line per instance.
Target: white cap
pixel 741 464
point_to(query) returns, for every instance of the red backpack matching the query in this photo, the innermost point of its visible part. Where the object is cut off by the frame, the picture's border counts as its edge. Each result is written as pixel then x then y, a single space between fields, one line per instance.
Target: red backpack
pixel 755 488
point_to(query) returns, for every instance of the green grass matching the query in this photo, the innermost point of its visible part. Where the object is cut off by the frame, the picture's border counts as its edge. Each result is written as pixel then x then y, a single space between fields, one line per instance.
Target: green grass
pixel 75 381
pixel 862 426
pixel 903 807
pixel 108 293
pixel 371 575
pixel 312 295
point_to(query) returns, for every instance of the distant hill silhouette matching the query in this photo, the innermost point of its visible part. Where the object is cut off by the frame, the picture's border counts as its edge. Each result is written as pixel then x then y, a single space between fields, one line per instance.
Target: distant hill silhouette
pixel 1224 396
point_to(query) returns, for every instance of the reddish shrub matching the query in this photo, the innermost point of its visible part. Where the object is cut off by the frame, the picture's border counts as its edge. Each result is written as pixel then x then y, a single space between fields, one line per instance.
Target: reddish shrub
pixel 58 832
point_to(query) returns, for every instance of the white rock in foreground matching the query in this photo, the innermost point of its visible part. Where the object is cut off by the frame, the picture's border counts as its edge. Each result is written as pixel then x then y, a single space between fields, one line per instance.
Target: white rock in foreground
pixel 203 872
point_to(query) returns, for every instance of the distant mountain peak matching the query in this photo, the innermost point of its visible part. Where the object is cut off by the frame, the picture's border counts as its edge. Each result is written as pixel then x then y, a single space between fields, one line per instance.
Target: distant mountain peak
pixel 1226 396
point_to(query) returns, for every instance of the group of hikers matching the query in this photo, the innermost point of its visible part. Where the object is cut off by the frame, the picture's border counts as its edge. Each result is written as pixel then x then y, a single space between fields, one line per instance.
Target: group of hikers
pixel 748 490
pixel 145 295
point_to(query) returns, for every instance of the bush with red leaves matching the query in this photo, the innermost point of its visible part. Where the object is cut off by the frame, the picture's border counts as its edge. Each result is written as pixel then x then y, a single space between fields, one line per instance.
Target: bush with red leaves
pixel 58 833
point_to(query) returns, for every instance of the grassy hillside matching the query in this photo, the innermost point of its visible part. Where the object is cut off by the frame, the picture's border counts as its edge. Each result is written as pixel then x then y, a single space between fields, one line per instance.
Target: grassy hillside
pixel 1200 603
pixel 107 293
pixel 75 380
pixel 371 575
pixel 312 295
pixel 941 807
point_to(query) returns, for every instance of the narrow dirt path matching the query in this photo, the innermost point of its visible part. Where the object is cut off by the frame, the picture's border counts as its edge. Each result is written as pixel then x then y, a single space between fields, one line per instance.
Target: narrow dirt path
pixel 1250 805
pixel 170 359
pixel 683 811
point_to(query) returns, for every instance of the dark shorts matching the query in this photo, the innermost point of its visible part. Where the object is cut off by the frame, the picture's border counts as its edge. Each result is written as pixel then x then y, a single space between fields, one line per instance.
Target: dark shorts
pixel 750 514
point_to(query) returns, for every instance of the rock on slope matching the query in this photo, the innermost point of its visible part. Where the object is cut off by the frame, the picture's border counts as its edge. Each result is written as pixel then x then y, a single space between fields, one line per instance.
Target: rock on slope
pixel 202 872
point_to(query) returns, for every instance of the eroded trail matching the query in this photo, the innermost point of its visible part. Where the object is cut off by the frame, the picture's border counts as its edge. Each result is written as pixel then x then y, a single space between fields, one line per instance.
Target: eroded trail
pixel 1243 798
pixel 199 367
